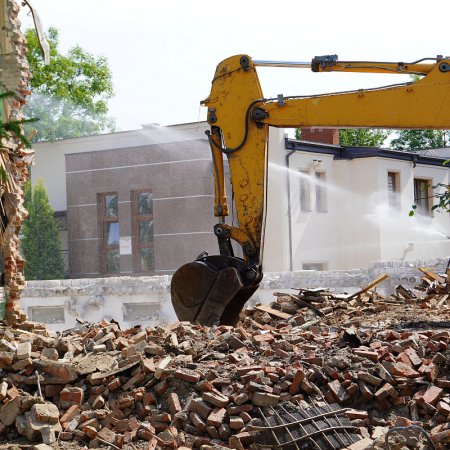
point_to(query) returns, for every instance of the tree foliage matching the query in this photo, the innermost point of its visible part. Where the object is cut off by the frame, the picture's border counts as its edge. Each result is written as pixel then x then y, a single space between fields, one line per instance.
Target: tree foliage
pixel 364 137
pixel 69 95
pixel 411 140
pixel 40 243
pixel 12 129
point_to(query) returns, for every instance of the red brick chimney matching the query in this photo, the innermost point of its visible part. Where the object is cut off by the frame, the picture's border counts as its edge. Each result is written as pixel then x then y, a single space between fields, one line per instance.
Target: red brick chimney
pixel 321 135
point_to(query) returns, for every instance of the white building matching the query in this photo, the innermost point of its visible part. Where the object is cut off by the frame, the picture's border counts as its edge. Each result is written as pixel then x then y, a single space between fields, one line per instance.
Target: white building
pixel 333 207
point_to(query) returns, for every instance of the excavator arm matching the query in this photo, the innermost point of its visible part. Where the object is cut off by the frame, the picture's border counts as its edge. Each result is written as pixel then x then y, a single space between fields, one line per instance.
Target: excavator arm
pixel 213 289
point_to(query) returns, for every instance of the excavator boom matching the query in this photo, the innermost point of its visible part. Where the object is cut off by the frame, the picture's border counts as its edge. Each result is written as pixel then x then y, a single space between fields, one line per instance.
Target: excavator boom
pixel 213 289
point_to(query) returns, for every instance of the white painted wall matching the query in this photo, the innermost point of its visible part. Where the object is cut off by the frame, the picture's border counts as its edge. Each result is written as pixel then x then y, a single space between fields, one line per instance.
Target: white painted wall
pixel 359 226
pixel 106 298
pixel 405 237
pixel 276 245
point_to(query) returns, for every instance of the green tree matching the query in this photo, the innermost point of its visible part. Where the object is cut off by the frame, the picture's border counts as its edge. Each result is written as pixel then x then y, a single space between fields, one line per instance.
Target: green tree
pixel 69 95
pixel 411 140
pixel 40 243
pixel 13 128
pixel 364 137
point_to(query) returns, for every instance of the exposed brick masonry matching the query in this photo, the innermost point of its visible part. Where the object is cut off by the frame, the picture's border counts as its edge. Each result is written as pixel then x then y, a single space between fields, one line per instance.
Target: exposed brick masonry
pixel 322 135
pixel 14 76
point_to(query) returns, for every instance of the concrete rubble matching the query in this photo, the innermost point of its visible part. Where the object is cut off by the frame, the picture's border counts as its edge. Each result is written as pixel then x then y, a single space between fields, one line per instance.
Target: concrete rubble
pixel 181 386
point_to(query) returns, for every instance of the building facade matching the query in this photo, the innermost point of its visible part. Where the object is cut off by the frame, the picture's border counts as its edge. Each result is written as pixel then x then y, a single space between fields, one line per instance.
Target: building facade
pixel 332 207
pixel 141 202
pixel 136 203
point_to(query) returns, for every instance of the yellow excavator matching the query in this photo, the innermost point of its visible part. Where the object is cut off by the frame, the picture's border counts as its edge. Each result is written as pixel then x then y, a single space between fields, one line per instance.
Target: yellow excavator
pixel 214 288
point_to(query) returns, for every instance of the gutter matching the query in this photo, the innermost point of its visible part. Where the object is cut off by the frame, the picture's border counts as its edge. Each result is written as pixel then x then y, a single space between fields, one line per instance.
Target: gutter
pixel 288 181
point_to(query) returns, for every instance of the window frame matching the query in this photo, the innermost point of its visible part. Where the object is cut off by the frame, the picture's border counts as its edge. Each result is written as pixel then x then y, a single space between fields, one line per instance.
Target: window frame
pixel 320 179
pixel 427 199
pixel 393 194
pixel 305 190
pixel 318 266
pixel 136 218
pixel 103 224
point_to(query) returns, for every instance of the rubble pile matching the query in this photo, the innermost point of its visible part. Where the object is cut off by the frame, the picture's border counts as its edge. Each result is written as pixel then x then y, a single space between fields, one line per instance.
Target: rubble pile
pixel 188 386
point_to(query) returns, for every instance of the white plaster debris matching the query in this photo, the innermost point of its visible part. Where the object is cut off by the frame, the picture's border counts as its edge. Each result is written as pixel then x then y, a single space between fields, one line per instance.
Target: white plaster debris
pixel 94 299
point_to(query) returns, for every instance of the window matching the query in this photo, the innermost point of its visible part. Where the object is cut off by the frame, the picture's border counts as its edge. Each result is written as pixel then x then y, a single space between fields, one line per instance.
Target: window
pixel 143 249
pixel 314 266
pixel 108 209
pixel 321 194
pixel 140 311
pixel 393 187
pixel 47 314
pixel 305 191
pixel 422 196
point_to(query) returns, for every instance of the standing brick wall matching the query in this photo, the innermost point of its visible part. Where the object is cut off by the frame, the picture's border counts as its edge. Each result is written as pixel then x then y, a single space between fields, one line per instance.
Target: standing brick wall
pixel 322 135
pixel 14 77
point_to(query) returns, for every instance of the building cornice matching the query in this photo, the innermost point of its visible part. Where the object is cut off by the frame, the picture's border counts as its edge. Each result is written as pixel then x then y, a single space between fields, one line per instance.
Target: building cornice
pixel 355 152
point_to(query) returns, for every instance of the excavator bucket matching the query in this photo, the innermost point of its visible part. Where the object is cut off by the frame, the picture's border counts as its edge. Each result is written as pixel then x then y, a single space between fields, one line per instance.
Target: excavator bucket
pixel 212 290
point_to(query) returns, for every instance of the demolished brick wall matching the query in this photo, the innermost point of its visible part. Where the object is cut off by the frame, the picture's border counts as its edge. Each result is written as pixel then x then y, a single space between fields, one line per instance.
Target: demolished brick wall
pixel 14 77
pixel 182 386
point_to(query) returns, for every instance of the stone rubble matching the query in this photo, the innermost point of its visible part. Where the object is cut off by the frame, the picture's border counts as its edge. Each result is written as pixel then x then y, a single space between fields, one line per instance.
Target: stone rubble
pixel 181 385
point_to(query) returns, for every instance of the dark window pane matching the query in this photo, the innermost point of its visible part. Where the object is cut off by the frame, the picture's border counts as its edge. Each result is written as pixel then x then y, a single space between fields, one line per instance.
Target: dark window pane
pixel 113 261
pixel 145 203
pixel 111 205
pixel 146 231
pixel 421 198
pixel 147 259
pixel 48 314
pixel 112 233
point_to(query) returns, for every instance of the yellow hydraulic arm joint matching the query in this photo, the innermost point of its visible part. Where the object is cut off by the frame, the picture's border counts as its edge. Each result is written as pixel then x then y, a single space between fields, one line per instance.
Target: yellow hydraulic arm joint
pixel 234 89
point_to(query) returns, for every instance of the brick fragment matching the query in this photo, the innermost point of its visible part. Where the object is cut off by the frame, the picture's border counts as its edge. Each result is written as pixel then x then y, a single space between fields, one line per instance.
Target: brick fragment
pixel 371 379
pixel 342 396
pixel 174 403
pixel 264 399
pixel 296 382
pixel 413 357
pixel 217 417
pixel 216 399
pixel 107 435
pixel 70 414
pixel 197 421
pixel 187 375
pixel 403 370
pixel 363 444
pixel 199 406
pixel 431 396
pixel 372 355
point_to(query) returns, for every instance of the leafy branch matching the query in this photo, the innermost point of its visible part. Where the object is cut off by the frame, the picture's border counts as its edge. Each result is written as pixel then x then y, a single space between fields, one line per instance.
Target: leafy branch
pixel 13 128
pixel 441 192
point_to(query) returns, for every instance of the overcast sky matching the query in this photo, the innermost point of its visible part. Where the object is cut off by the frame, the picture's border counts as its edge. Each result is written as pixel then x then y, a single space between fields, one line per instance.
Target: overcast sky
pixel 163 54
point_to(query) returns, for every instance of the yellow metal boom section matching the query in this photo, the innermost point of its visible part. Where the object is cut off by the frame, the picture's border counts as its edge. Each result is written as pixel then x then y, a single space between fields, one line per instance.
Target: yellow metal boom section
pixel 239 117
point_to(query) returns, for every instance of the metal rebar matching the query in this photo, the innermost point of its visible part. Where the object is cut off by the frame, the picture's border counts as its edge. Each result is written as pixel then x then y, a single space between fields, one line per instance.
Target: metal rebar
pixel 308 419
pixel 269 427
pixel 315 433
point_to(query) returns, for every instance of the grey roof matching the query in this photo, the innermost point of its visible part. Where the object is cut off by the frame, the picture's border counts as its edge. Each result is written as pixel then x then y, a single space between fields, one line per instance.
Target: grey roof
pixel 354 152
